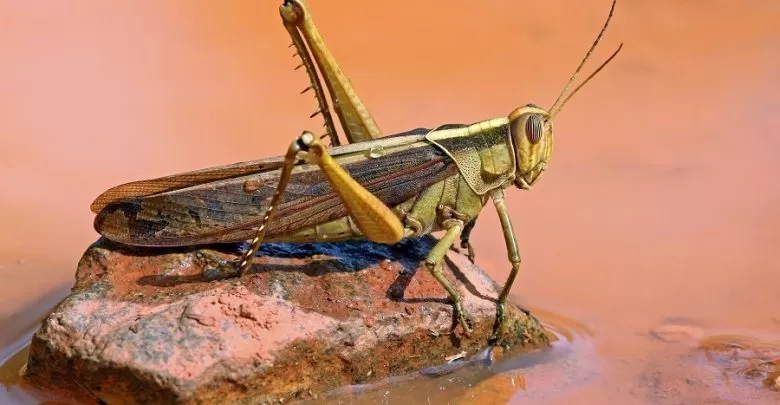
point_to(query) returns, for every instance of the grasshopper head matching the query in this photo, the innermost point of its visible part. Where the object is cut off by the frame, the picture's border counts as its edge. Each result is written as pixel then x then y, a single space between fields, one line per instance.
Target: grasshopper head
pixel 532 127
pixel 532 134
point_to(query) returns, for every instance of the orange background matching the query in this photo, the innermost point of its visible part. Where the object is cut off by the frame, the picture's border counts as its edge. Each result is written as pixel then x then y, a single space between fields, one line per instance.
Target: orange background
pixel 661 199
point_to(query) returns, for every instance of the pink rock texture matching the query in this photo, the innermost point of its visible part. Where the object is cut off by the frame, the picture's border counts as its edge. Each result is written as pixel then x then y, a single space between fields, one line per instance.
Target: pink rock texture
pixel 152 327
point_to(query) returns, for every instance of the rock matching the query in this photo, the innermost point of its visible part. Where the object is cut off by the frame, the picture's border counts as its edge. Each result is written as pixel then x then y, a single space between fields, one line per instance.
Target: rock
pixel 773 381
pixel 723 369
pixel 678 330
pixel 150 326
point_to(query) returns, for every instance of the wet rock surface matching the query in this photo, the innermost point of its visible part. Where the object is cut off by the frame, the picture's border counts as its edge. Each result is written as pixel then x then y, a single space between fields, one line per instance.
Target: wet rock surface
pixel 696 364
pixel 152 327
pixel 745 357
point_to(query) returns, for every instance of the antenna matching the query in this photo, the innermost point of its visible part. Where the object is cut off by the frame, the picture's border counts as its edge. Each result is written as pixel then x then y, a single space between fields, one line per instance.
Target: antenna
pixel 576 89
pixel 557 107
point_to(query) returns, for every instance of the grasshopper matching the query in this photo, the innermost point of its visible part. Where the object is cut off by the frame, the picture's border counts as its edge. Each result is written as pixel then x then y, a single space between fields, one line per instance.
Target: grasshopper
pixel 382 189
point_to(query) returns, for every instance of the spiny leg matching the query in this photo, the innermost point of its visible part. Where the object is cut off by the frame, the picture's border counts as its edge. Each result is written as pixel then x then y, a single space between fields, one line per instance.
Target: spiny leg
pixel 514 259
pixel 289 161
pixel 356 120
pixel 288 13
pixel 434 263
pixel 376 221
pixel 243 264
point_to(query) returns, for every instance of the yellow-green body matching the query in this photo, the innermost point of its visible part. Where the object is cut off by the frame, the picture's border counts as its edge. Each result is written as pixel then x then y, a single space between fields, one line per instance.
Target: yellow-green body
pixel 461 196
pixel 473 164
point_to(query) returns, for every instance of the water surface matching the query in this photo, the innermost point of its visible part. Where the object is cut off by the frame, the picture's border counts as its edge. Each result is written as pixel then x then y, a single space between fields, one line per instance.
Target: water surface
pixel 660 206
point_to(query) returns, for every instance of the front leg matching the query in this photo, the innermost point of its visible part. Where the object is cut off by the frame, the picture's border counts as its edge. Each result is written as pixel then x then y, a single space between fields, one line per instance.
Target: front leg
pixel 434 263
pixel 514 259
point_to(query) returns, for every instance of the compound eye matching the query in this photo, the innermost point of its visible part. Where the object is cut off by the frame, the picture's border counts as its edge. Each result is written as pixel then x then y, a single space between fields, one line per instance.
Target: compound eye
pixel 534 129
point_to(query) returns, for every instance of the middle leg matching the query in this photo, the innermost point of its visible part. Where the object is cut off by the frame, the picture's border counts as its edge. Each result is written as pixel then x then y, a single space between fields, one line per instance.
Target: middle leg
pixel 434 264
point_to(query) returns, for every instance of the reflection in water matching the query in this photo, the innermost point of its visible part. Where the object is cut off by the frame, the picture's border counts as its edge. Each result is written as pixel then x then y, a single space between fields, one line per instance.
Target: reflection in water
pixel 14 349
pixel 661 198
pixel 486 378
pixel 13 389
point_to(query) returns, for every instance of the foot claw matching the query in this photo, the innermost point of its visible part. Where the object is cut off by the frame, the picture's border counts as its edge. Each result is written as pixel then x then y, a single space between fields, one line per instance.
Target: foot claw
pixel 498 325
pixel 462 320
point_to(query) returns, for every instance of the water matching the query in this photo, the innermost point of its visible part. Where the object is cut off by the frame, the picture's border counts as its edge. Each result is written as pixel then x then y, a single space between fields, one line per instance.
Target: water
pixel 660 202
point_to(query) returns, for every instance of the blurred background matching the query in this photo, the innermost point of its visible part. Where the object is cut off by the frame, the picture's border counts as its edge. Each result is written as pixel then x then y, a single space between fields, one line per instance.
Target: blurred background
pixel 661 199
